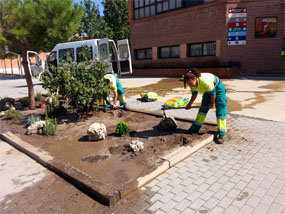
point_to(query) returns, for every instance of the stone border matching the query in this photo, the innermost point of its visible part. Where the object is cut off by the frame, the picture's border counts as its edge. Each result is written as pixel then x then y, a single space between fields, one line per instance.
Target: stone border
pixel 85 183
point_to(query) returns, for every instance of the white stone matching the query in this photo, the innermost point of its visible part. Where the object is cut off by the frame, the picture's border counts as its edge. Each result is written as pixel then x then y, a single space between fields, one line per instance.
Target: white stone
pixel 136 145
pixel 36 128
pixel 97 131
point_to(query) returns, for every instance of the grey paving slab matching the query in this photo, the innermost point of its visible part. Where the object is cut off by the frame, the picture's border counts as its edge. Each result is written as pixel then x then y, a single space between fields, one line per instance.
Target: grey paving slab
pixel 244 175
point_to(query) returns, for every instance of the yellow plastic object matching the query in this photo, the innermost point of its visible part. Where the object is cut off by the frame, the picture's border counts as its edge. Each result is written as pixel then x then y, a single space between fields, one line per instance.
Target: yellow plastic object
pixel 149 96
pixel 176 102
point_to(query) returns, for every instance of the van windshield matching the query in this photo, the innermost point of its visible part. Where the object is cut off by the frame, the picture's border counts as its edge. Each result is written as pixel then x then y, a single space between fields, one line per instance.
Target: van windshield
pixel 66 54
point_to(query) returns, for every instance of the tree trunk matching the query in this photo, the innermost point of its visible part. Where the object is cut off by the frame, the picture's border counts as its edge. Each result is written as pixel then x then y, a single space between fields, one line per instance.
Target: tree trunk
pixel 32 103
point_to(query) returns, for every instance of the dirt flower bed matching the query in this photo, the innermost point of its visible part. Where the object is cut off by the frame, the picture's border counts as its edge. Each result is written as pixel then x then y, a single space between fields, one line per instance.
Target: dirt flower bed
pixel 110 161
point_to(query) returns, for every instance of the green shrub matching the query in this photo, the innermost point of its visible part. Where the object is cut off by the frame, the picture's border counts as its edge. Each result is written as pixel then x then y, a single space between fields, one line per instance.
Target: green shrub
pixel 51 126
pixel 25 102
pixel 38 96
pixel 32 119
pixel 122 128
pixel 11 114
pixel 81 85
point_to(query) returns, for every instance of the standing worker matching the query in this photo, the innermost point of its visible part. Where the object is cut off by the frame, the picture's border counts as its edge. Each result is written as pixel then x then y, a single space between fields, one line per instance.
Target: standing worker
pixel 213 91
pixel 117 89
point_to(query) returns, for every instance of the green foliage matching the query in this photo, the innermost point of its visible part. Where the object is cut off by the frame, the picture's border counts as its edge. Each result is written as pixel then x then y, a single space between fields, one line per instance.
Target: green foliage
pixel 81 85
pixel 39 96
pixel 32 119
pixel 38 25
pixel 92 25
pixel 51 126
pixel 11 114
pixel 25 102
pixel 117 18
pixel 122 128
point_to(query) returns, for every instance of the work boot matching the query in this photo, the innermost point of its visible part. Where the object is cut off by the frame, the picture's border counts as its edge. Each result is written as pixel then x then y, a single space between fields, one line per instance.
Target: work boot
pixel 220 140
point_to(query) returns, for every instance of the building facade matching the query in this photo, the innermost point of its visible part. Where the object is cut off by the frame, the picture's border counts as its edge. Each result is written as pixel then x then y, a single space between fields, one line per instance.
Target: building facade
pixel 173 34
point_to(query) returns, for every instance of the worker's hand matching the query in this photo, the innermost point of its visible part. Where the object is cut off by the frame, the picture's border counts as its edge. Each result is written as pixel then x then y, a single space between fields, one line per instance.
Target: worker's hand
pixel 188 106
pixel 114 106
pixel 211 105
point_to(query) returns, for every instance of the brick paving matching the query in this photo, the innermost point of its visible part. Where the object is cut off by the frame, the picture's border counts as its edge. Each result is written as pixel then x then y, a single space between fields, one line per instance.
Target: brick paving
pixel 244 175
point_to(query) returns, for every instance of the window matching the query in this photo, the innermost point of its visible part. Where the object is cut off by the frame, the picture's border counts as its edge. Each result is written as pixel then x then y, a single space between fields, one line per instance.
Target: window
pixel 64 54
pixel 169 52
pixel 103 51
pixel 202 49
pixel 84 53
pixel 123 51
pixel 143 54
pixel 146 8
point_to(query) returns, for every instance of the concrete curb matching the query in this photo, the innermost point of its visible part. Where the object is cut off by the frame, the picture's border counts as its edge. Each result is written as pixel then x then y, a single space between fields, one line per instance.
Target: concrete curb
pixel 102 193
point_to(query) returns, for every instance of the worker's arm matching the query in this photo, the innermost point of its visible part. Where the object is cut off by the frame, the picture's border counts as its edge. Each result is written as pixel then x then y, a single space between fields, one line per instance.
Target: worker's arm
pixel 115 99
pixel 193 98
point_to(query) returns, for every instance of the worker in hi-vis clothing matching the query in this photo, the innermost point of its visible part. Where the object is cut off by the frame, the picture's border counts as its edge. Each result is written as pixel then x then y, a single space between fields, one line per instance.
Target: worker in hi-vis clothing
pixel 213 91
pixel 117 89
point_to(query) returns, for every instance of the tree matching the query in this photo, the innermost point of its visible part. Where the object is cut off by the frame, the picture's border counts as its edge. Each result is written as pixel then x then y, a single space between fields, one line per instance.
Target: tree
pixel 37 25
pixel 116 16
pixel 93 26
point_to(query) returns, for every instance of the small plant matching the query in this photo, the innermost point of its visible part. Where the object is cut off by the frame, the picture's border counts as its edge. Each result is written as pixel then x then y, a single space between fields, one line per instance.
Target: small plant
pixel 25 102
pixel 51 126
pixel 32 119
pixel 38 96
pixel 11 114
pixel 122 128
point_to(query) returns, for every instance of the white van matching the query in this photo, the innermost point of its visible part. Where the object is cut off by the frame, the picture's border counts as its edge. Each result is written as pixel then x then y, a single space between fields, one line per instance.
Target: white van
pixel 117 57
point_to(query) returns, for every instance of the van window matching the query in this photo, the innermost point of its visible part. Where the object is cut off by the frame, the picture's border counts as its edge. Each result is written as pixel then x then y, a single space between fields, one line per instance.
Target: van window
pixel 103 51
pixel 52 59
pixel 124 53
pixel 84 53
pixel 64 54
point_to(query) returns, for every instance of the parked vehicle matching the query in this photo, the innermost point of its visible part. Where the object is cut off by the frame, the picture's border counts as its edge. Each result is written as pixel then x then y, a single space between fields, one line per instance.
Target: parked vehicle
pixel 117 57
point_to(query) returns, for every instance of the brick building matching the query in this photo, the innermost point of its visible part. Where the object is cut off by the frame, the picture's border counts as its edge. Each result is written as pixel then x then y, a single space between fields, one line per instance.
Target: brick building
pixel 178 34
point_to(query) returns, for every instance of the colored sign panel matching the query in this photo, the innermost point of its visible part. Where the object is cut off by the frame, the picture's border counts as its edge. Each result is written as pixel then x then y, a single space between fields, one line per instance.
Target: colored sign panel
pixel 237 20
pixel 237 26
pixel 243 33
pixel 237 10
pixel 236 42
pixel 236 29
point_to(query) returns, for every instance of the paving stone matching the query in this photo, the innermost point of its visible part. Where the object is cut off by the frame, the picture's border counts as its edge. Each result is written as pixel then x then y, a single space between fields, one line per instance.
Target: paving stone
pixel 280 199
pixel 155 206
pixel 211 203
pixel 168 206
pixel 207 195
pixel 225 202
pixel 275 208
pixel 180 196
pixel 232 210
pixel 260 209
pixel 197 204
pixel 182 205
pixel 194 196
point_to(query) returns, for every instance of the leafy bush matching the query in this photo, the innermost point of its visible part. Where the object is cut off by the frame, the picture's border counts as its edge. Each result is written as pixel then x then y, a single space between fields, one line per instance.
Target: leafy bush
pixel 32 119
pixel 11 114
pixel 25 102
pixel 122 128
pixel 81 85
pixel 38 96
pixel 51 126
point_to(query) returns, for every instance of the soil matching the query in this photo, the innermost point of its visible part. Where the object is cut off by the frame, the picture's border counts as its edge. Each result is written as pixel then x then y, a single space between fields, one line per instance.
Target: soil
pixel 109 161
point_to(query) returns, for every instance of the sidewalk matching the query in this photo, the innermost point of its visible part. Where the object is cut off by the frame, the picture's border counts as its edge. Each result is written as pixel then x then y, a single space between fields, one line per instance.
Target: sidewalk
pixel 244 175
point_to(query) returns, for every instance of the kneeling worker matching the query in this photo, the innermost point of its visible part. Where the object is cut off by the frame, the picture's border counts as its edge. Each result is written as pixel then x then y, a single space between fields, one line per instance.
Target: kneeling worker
pixel 117 89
